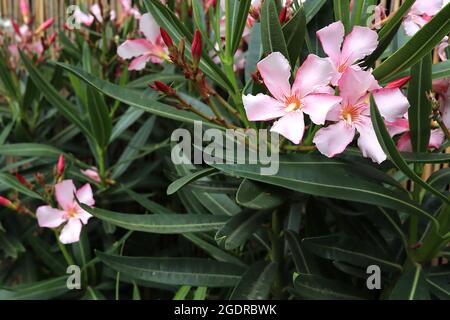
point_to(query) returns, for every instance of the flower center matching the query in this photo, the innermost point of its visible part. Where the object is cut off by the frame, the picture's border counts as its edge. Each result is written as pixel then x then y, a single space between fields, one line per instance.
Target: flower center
pixel 72 212
pixel 292 103
pixel 351 114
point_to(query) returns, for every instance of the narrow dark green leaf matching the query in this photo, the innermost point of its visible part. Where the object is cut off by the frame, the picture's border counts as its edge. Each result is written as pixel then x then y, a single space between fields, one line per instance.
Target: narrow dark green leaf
pixel 411 285
pixel 42 290
pixel 271 33
pixel 257 196
pixel 420 110
pixel 342 13
pixel 256 282
pixel 12 182
pixel 294 32
pixel 239 229
pixel 341 248
pixel 160 223
pixel 176 271
pixel 182 182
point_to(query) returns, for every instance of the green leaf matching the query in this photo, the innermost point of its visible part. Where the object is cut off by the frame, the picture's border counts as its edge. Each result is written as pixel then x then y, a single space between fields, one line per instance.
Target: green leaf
pixel 160 223
pixel 238 23
pixel 12 182
pixel 439 286
pixel 440 179
pixel 341 248
pixel 239 229
pixel 133 148
pixel 42 290
pixel 138 99
pixel 182 182
pixel 256 282
pixel 44 252
pixel 182 293
pixel 411 285
pixel 318 288
pixel 419 46
pixel 54 98
pixel 125 121
pixel 388 32
pixel 420 110
pixel 93 294
pixel 101 124
pixel 200 293
pixel 312 8
pixel 29 150
pixel 298 255
pixel 257 196
pixel 342 13
pixel 390 149
pixel 271 33
pixel 294 32
pixel 316 175
pixel 176 271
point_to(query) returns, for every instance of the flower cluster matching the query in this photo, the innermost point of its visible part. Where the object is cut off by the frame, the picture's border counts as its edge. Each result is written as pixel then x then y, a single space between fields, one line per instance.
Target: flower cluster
pixel 313 93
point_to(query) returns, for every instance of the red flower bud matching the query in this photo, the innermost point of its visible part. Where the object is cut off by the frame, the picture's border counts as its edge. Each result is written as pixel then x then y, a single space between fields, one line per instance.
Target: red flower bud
pixel 398 83
pixel 16 27
pixel 52 39
pixel 22 179
pixel 162 87
pixel 166 38
pixel 5 202
pixel 283 14
pixel 60 166
pixel 45 25
pixel 196 48
pixel 25 9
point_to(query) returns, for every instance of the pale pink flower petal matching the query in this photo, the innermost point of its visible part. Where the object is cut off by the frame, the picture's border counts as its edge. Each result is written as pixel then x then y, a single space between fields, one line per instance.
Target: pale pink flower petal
pixel 71 231
pixel 64 193
pixel 442 49
pixel 276 71
pixel 314 73
pixel 149 28
pixel 97 12
pixel 134 48
pixel 92 173
pixel 410 26
pixel 317 106
pixel 49 217
pixel 85 195
pixel 83 215
pixel 437 138
pixel 331 38
pixel 368 142
pixel 139 63
pixel 354 84
pixel 392 103
pixel 333 139
pixel 358 44
pixel 397 127
pixel 262 107
pixel 404 143
pixel 428 7
pixel 291 126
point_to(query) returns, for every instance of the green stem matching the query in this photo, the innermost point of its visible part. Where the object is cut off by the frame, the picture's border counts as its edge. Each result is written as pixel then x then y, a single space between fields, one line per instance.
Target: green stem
pixel 66 254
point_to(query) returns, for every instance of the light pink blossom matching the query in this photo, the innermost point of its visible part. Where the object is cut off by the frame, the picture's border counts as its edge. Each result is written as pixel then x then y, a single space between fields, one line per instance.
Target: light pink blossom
pixel 309 94
pixel 92 174
pixel 344 53
pixel 69 213
pixel 152 48
pixel 421 12
pixel 128 10
pixel 442 49
pixel 401 126
pixel 353 115
pixel 442 88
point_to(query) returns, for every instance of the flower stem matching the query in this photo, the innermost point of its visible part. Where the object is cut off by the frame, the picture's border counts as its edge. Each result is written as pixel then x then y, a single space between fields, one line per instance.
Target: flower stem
pixel 64 251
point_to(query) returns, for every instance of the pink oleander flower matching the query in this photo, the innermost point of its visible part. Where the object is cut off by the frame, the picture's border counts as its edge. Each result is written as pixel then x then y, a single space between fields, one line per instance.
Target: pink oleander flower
pixel 152 48
pixel 343 54
pixel 83 18
pixel 309 94
pixel 69 213
pixel 442 49
pixel 401 126
pixel 25 10
pixel 353 115
pixel 442 88
pixel 92 174
pixel 421 12
pixel 128 10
